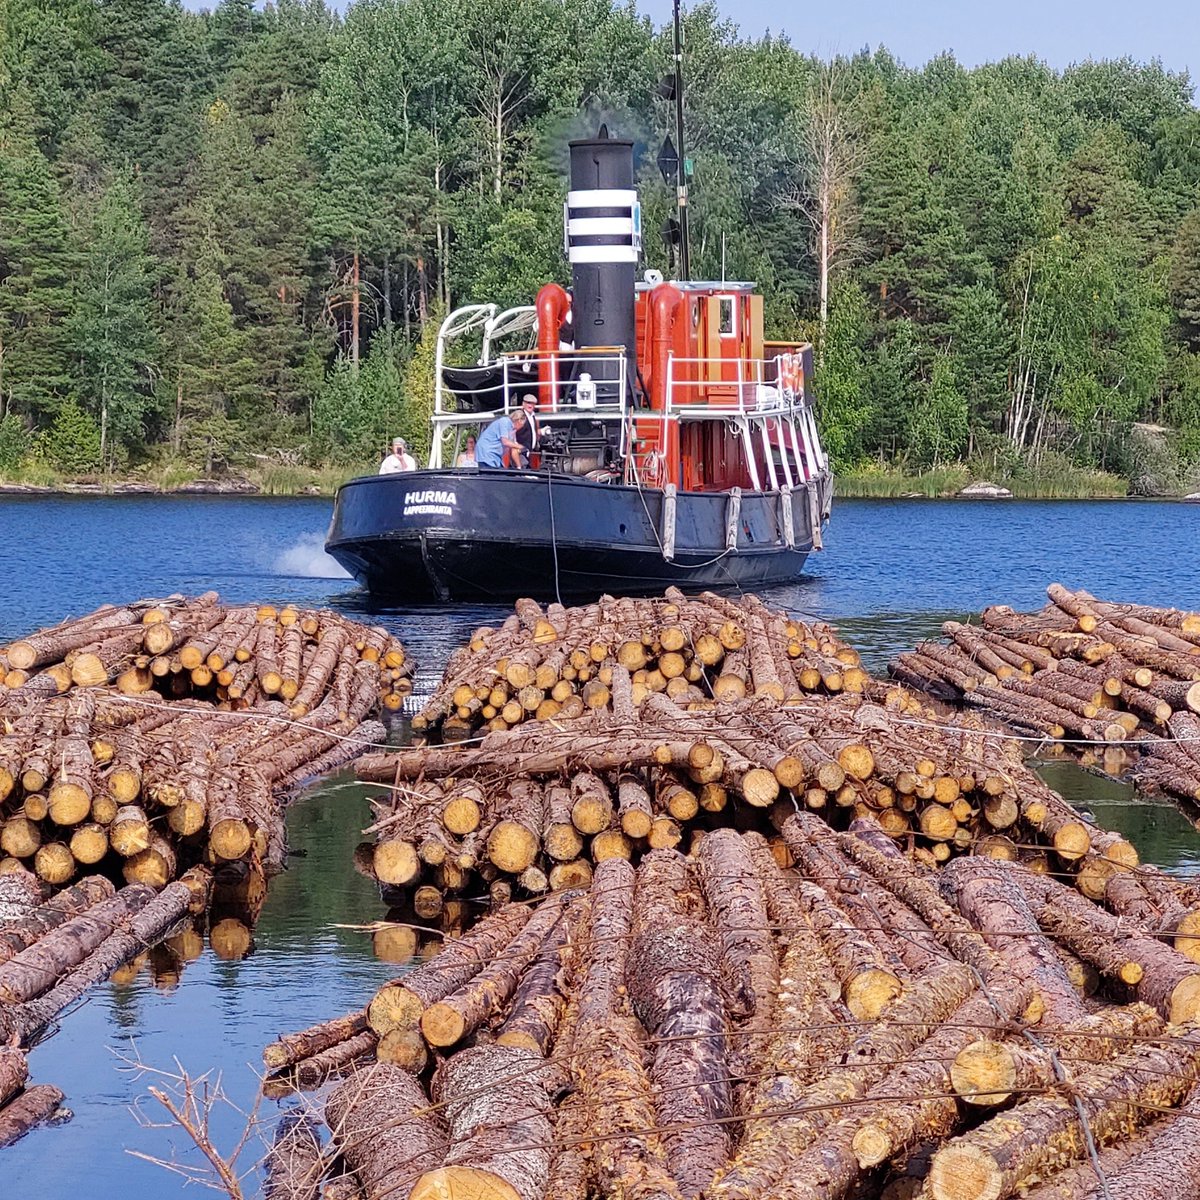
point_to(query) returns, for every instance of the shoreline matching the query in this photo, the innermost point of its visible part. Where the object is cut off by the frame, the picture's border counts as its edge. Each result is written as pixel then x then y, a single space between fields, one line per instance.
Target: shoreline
pixel 242 486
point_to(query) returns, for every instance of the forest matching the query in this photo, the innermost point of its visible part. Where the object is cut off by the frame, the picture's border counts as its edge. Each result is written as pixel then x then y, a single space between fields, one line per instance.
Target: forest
pixel 227 237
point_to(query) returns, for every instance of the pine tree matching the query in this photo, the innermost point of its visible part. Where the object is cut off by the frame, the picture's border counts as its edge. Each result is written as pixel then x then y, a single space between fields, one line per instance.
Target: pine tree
pixel 35 263
pixel 210 367
pixel 1184 279
pixel 113 339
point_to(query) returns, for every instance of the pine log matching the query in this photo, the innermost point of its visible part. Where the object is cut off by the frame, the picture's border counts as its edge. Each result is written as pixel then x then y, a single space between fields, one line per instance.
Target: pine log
pixel 568 1163
pixel 988 1073
pixel 450 1019
pixel 538 1003
pixel 1161 976
pixel 337 1059
pixel 38 968
pixel 636 810
pixel 400 1004
pixel 382 1124
pixel 30 1109
pixel 899 877
pixel 607 1068
pixel 14 1070
pixel 812 1033
pixel 907 1023
pixel 991 900
pixel 674 985
pixel 1162 1164
pixel 49 645
pixel 738 913
pixel 346 1186
pixel 294 1164
pixel 1002 1154
pixel 143 929
pixel 292 1047
pixel 894 1126
pixel 501 1137
pixel 520 815
pixel 54 912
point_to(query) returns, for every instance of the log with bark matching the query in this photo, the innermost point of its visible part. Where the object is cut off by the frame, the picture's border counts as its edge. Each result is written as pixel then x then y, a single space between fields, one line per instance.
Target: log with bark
pixel 382 1124
pixel 31 1108
pixel 500 1133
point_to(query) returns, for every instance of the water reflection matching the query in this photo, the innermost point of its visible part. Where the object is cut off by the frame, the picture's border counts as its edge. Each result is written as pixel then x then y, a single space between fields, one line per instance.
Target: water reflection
pixel 1163 833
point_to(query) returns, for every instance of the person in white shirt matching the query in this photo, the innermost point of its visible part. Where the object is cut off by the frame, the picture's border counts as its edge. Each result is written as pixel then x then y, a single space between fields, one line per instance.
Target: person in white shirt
pixel 399 459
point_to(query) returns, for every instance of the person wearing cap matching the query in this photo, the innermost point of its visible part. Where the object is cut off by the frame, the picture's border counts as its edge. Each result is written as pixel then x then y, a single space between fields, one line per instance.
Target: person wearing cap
pixel 398 460
pixel 528 435
pixel 498 445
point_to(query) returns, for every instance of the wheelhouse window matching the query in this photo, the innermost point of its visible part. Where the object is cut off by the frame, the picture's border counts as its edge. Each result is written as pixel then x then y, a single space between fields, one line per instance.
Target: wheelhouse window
pixel 725 324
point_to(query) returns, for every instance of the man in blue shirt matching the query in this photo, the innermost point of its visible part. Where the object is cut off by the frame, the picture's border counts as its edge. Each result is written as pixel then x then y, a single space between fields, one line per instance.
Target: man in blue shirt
pixel 499 440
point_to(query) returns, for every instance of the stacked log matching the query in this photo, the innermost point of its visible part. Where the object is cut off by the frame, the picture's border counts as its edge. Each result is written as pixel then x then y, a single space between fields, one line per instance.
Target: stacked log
pixel 141 782
pixel 717 1025
pixel 235 656
pixel 1123 679
pixel 540 806
pixel 610 656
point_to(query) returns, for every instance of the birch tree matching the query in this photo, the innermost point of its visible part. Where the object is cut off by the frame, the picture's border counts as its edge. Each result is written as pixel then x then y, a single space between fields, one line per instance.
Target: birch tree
pixel 831 151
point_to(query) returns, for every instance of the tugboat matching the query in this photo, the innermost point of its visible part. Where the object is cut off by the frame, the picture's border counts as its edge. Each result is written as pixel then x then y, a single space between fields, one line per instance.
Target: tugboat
pixel 674 444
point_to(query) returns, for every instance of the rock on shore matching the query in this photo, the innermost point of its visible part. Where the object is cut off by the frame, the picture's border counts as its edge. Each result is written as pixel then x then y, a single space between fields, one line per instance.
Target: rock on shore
pixel 985 490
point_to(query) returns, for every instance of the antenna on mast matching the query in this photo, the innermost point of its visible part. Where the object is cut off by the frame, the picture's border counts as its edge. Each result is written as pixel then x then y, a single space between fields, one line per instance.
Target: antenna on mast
pixel 681 186
pixel 672 158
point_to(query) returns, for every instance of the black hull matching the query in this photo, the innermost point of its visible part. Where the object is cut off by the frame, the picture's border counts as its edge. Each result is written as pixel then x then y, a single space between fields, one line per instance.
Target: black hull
pixel 435 536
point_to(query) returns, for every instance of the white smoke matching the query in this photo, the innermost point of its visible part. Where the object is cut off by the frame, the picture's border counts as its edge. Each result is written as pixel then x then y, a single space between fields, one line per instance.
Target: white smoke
pixel 308 558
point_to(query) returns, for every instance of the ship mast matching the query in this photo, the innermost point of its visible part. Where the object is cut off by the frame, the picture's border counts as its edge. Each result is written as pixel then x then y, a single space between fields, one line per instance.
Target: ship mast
pixel 681 187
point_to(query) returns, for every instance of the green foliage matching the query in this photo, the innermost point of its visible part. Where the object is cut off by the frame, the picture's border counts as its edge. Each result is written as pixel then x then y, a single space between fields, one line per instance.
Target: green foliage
pixel 72 443
pixel 35 268
pixel 357 412
pixel 1184 279
pixel 15 443
pixel 229 232
pixel 938 432
pixel 840 378
pixel 114 345
pixel 418 391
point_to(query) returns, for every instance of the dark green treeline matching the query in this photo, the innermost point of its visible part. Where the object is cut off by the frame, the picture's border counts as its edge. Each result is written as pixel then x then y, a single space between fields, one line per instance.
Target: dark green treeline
pixel 234 233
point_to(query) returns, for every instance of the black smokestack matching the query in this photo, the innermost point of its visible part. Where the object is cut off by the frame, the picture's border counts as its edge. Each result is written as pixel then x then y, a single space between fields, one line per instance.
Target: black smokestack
pixel 603 241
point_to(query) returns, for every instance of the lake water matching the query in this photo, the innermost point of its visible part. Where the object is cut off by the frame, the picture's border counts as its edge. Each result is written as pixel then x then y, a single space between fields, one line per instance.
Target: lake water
pixel 893 571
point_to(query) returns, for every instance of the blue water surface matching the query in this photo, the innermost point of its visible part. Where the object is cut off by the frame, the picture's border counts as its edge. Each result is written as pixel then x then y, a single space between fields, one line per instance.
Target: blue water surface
pixel 893 571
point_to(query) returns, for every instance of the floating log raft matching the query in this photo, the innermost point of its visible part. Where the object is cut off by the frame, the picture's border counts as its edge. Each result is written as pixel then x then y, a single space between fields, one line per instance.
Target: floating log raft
pixel 141 740
pixel 540 805
pixel 640 989
pixel 610 656
pixel 1123 679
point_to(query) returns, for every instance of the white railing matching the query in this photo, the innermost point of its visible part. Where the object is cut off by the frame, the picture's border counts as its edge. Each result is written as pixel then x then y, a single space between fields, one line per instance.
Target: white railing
pixel 583 383
pixel 699 387
pixel 579 380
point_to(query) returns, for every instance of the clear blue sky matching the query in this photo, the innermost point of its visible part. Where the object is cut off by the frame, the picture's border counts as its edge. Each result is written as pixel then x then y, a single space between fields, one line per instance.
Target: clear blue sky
pixel 1060 31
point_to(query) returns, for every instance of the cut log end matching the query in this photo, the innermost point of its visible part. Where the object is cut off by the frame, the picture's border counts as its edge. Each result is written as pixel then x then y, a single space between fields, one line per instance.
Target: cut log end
pixel 1185 1001
pixel 870 992
pixel 394 1007
pixel 871 1146
pixel 964 1172
pixel 983 1073
pixel 462 1183
pixel 442 1025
